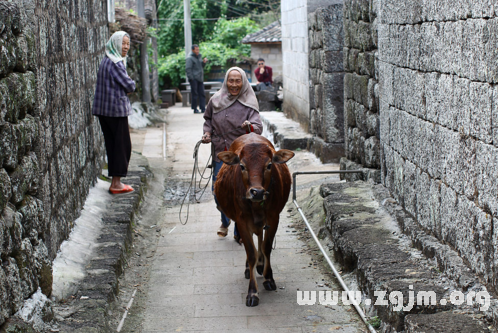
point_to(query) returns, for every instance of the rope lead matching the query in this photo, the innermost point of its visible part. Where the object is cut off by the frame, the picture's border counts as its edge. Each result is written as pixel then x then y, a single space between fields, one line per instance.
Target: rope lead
pixel 193 182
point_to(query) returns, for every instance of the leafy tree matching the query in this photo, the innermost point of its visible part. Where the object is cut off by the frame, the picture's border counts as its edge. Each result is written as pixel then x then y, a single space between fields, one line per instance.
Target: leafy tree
pixel 224 45
pixel 170 15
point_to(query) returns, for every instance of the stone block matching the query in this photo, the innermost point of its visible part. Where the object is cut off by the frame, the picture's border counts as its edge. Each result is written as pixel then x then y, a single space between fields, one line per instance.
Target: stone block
pixel 333 107
pixel 11 281
pixel 467 166
pixel 360 89
pixel 345 59
pixel 386 82
pixel 24 179
pixel 473 235
pixel 480 111
pixel 371 95
pixel 26 51
pixel 9 146
pixel 443 322
pixel 326 152
pixel 384 123
pixel 372 124
pixel 410 189
pixel 318 96
pixel 398 179
pixel 461 105
pixel 353 60
pixel 332 18
pixel 402 12
pixel 387 167
pixel 372 152
pixel 439 97
pixel 21 95
pixel 487 171
pixel 5 189
pixel 349 113
pixel 32 215
pixel 332 61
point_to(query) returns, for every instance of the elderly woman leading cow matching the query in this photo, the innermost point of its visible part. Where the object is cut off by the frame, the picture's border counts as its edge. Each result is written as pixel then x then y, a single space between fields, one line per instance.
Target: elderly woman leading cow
pixel 233 111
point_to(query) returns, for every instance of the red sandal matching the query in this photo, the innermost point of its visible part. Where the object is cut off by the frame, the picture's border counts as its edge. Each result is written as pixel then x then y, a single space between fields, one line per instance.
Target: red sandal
pixel 125 189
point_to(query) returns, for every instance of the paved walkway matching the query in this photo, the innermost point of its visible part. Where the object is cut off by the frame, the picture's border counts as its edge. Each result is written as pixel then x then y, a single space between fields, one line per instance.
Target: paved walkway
pixel 197 279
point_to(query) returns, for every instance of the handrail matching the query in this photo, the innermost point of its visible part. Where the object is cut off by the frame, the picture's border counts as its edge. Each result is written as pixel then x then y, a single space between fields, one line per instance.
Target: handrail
pixel 334 270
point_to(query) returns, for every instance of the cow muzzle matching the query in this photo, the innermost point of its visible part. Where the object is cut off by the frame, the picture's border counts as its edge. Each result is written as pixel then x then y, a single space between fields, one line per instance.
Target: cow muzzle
pixel 257 194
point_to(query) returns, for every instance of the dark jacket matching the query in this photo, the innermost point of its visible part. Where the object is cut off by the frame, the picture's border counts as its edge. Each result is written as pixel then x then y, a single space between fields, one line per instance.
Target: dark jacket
pixel 195 67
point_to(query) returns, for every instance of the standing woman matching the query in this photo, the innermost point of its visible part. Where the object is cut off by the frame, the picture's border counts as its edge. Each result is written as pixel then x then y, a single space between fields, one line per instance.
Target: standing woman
pixel 112 106
pixel 232 111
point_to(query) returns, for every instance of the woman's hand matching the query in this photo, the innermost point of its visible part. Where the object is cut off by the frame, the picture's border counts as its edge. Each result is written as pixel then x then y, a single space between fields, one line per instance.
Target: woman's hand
pixel 246 124
pixel 206 138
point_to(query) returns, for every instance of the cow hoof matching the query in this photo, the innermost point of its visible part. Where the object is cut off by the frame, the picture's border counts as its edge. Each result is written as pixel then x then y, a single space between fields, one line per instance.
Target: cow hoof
pixel 260 269
pixel 270 285
pixel 252 300
pixel 247 274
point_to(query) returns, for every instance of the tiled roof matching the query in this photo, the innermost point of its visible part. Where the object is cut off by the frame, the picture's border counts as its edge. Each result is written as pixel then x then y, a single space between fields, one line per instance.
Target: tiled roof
pixel 269 34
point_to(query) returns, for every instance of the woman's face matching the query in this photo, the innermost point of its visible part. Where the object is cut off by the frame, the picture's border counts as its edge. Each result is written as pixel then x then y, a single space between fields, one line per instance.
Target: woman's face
pixel 125 47
pixel 234 82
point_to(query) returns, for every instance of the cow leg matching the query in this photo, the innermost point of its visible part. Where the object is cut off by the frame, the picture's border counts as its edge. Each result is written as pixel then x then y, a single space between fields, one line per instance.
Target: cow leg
pixel 247 273
pixel 252 298
pixel 261 258
pixel 269 283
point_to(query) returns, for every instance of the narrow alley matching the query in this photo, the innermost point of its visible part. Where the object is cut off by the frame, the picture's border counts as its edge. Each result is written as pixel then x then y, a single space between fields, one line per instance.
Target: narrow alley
pixel 191 280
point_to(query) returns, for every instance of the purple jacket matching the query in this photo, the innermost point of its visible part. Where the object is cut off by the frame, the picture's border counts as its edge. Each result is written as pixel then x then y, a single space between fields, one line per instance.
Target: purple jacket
pixel 113 83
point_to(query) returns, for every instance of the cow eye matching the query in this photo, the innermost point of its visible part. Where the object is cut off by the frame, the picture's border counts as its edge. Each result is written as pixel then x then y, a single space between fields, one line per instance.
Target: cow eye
pixel 242 167
pixel 268 167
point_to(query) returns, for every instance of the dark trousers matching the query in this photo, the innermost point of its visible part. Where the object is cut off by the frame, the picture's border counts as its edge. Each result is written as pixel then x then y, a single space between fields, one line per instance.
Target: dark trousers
pixel 198 95
pixel 117 144
pixel 263 86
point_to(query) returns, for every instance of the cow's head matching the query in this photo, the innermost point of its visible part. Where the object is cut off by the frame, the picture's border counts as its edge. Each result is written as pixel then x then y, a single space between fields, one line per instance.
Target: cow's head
pixel 256 165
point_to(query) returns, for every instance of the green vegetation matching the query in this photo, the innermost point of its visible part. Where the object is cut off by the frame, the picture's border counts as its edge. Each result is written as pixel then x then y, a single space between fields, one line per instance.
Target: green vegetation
pixel 375 322
pixel 218 39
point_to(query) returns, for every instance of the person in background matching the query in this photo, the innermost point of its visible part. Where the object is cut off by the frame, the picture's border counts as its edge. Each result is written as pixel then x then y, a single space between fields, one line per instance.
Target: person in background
pixel 195 74
pixel 112 106
pixel 231 112
pixel 264 75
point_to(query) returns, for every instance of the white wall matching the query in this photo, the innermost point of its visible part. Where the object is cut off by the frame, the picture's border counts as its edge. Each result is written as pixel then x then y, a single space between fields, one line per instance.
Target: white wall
pixel 295 60
pixel 272 53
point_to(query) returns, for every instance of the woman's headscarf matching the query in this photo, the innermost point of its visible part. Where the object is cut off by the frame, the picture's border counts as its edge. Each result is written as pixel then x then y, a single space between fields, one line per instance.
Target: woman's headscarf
pixel 222 99
pixel 113 48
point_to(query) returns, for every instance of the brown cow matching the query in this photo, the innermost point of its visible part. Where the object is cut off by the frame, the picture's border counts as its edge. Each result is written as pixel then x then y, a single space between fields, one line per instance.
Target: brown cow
pixel 252 189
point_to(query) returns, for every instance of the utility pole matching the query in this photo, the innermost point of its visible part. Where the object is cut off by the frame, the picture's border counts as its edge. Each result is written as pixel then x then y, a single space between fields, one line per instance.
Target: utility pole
pixel 144 59
pixel 188 27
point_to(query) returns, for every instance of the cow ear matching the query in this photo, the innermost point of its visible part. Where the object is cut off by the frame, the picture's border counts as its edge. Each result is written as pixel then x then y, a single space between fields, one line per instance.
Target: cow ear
pixel 282 156
pixel 229 157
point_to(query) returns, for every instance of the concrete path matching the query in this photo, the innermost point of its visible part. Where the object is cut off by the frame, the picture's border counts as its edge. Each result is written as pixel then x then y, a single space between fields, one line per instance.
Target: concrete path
pixel 196 281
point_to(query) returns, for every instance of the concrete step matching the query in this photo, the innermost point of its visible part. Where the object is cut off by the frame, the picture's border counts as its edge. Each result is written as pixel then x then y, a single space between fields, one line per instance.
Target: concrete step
pixel 287 133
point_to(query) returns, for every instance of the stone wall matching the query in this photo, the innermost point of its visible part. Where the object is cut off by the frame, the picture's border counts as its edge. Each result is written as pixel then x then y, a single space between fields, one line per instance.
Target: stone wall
pixel 430 122
pixel 438 116
pixel 326 82
pixel 272 53
pixel 295 60
pixel 361 106
pixel 51 149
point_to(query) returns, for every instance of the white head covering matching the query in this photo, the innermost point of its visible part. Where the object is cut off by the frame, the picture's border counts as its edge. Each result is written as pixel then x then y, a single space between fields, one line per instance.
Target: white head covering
pixel 113 48
pixel 222 99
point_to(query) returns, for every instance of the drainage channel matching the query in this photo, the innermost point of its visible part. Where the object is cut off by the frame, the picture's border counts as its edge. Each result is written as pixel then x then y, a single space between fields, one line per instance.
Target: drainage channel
pixel 77 251
pixel 334 270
